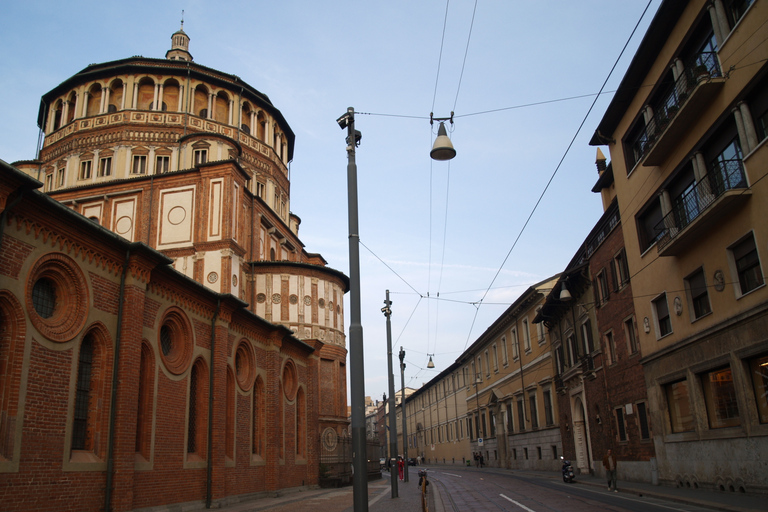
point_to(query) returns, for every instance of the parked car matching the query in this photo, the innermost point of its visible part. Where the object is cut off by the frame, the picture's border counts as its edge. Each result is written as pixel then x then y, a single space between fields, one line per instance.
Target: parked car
pixel 412 461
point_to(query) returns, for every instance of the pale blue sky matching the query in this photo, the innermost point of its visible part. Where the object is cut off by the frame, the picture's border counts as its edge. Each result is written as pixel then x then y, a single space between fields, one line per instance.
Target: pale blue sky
pixel 444 228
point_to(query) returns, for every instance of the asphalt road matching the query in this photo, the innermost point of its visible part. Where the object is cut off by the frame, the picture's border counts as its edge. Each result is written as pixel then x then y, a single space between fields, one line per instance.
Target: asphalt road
pixel 472 489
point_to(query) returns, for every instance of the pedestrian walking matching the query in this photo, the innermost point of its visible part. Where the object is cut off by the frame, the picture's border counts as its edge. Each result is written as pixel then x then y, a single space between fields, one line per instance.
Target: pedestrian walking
pixel 610 464
pixel 401 468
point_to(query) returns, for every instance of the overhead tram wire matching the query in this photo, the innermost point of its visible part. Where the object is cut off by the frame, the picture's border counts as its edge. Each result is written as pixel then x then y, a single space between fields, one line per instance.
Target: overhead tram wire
pixel 546 187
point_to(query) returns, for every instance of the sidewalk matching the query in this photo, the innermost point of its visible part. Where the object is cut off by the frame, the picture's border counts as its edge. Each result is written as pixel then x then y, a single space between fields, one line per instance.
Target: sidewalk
pixel 726 501
pixel 341 499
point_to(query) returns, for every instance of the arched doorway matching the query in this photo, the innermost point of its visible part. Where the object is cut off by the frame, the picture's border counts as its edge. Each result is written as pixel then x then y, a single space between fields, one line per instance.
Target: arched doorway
pixel 581 436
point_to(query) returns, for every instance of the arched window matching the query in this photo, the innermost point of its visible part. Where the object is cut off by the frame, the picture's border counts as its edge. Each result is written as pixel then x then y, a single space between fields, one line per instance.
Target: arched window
pixel 259 419
pixel 145 399
pixel 12 334
pixel 301 424
pixel 146 94
pixel 230 418
pixel 91 408
pixel 197 419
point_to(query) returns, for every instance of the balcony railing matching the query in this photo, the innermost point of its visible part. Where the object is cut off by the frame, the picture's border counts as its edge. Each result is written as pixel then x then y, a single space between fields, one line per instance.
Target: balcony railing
pixel 701 69
pixel 727 175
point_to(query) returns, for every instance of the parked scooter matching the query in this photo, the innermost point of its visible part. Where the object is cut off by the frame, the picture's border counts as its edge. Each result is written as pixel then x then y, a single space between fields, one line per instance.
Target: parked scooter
pixel 568 476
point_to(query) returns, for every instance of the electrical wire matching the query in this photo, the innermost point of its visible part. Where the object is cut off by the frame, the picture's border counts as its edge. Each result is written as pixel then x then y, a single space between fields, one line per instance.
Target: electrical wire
pixel 440 57
pixel 466 52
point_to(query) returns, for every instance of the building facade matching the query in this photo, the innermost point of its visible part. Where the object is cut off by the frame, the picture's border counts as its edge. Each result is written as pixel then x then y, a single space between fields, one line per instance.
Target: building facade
pixel 193 275
pixel 687 133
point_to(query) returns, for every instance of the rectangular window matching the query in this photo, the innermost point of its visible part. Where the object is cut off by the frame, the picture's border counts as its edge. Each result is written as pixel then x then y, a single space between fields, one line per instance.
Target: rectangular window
pixel 548 416
pixel 495 358
pixel 482 418
pixel 48 182
pixel 469 428
pixel 60 177
pixel 540 333
pixel 492 423
pixel 139 164
pixel 504 355
pixel 610 346
pixel 520 414
pixel 758 369
pixel 661 312
pixel 696 286
pixel 642 421
pixel 85 170
pixel 162 164
pixel 601 286
pixel 534 411
pixel 526 335
pixel 487 364
pixel 510 420
pixel 649 228
pixel 105 167
pixel 479 369
pixel 720 397
pixel 260 189
pixel 747 264
pixel 678 402
pixel 631 333
pixel 621 429
pixel 620 270
pixel 554 451
pixel 200 156
pixel 515 346
pixel 586 336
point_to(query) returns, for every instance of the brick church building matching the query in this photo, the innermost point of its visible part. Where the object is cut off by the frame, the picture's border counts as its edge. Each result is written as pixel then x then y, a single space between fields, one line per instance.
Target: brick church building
pixel 165 338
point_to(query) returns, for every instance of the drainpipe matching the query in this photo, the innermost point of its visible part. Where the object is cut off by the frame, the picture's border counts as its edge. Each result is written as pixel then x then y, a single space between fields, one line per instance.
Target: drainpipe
pixel 115 380
pixel 209 476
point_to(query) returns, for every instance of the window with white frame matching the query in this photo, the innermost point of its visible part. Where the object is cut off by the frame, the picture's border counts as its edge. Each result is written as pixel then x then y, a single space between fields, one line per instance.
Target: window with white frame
pixel 48 182
pixel 200 156
pixel 746 263
pixel 85 170
pixel 504 354
pixel 487 364
pixel 105 167
pixel 162 164
pixel 526 335
pixel 60 177
pixel 515 346
pixel 495 358
pixel 139 164
pixel 661 315
pixel 479 368
pixel 698 298
pixel 260 188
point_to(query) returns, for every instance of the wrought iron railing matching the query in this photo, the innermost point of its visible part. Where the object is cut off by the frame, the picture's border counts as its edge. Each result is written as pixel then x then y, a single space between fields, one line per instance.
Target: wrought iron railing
pixel 702 67
pixel 727 175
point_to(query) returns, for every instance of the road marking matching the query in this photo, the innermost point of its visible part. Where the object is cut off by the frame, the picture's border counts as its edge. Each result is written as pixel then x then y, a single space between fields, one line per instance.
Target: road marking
pixel 457 476
pixel 377 498
pixel 516 503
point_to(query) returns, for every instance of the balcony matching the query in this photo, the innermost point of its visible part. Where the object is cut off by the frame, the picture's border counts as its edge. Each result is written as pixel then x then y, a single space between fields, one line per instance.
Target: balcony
pixel 700 208
pixel 673 116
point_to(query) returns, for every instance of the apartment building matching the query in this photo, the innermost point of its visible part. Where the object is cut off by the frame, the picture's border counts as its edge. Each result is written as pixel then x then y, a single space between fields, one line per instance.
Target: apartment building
pixel 687 131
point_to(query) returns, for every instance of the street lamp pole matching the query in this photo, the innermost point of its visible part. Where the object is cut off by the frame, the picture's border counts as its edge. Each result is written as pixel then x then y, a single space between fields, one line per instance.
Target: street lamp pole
pixel 402 408
pixel 356 360
pixel 392 417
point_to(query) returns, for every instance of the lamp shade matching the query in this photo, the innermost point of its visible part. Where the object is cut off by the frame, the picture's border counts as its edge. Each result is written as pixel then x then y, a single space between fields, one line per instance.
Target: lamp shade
pixel 430 364
pixel 565 295
pixel 442 149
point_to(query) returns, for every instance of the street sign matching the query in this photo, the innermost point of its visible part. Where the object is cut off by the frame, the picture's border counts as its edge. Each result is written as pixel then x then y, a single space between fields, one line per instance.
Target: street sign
pixel 480 441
